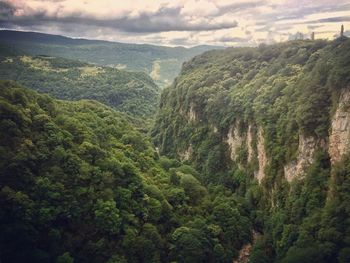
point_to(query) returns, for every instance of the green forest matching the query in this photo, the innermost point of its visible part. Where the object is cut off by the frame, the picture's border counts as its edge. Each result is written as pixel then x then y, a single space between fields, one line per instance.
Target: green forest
pixel 80 184
pixel 290 91
pixel 98 164
pixel 132 92
pixel 136 57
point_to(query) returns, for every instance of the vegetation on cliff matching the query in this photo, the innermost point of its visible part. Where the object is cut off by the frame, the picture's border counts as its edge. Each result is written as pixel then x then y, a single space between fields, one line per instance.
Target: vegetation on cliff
pixel 252 126
pixel 259 113
pixel 79 183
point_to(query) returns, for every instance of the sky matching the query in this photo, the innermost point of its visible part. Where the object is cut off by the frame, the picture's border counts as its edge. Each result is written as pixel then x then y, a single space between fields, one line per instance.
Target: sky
pixel 180 22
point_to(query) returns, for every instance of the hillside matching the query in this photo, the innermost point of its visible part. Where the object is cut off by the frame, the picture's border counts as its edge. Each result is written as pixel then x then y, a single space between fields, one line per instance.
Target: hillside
pixel 134 93
pixel 250 161
pixel 79 184
pixel 271 124
pixel 161 63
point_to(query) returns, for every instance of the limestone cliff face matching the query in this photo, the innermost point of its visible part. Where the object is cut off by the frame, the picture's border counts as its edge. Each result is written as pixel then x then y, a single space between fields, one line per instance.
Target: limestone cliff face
pixel 262 158
pixel 186 155
pixel 306 150
pixel 234 140
pixel 250 136
pixel 192 115
pixel 339 139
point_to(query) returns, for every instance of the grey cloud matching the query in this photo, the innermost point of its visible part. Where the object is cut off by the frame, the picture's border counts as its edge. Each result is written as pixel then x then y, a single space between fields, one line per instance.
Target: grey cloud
pixel 234 39
pixel 331 20
pixel 311 27
pixel 300 12
pixel 239 7
pixel 6 10
pixel 164 20
pixel 181 41
pixel 277 28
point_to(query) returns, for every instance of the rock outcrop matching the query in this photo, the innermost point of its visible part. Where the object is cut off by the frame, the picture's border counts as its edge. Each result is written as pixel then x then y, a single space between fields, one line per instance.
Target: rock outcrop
pixel 192 115
pixel 186 155
pixel 250 136
pixel 234 140
pixel 262 158
pixel 246 250
pixel 339 139
pixel 306 150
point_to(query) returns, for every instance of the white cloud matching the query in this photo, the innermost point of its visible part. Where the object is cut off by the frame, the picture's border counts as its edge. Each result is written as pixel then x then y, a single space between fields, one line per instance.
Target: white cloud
pixel 191 22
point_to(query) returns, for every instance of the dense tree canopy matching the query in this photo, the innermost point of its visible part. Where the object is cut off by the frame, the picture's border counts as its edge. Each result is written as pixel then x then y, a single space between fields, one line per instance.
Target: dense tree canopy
pixel 79 184
pixel 132 92
pixel 162 63
pixel 289 91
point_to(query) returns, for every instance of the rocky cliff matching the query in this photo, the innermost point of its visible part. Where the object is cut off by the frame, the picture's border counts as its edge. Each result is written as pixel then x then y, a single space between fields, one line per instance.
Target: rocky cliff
pixel 234 140
pixel 339 139
pixel 272 124
pixel 265 108
pixel 305 157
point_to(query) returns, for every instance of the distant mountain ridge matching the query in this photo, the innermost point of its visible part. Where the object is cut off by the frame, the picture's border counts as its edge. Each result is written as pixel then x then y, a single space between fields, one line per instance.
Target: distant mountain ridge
pixel 160 62
pixel 134 93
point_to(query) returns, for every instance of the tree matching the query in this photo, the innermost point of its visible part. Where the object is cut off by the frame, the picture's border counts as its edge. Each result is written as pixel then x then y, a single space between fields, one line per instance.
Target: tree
pixel 107 217
pixel 187 247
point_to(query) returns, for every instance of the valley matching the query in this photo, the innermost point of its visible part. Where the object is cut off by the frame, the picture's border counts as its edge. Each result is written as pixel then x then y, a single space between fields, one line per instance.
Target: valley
pixel 242 155
pixel 135 57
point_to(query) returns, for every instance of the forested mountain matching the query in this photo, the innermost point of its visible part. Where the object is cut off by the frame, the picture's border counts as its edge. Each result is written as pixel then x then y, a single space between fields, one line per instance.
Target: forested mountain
pixel 79 184
pixel 132 92
pixel 160 62
pixel 271 123
pixel 250 156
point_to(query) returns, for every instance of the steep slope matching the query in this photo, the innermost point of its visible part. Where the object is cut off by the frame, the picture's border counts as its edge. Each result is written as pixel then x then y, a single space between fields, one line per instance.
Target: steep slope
pixel 162 63
pixel 277 116
pixel 131 92
pixel 79 183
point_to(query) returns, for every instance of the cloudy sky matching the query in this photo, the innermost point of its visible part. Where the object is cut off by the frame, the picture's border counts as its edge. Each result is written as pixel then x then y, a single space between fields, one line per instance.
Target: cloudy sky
pixel 179 22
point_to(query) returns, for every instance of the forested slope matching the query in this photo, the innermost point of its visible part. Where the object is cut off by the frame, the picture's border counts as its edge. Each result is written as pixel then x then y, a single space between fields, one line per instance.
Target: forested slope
pixel 162 63
pixel 132 92
pixel 271 122
pixel 79 184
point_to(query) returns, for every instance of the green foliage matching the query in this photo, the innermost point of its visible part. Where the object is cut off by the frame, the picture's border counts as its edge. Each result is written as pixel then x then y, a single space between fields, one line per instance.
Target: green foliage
pixel 289 91
pixel 78 183
pixel 160 62
pixel 65 258
pixel 285 89
pixel 107 216
pixel 132 92
pixel 187 245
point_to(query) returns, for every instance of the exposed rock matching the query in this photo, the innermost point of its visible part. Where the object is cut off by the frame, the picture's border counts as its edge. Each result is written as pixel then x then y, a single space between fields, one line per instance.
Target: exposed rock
pixel 192 115
pixel 186 155
pixel 306 150
pixel 339 139
pixel 246 250
pixel 250 143
pixel 244 254
pixel 262 158
pixel 234 140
